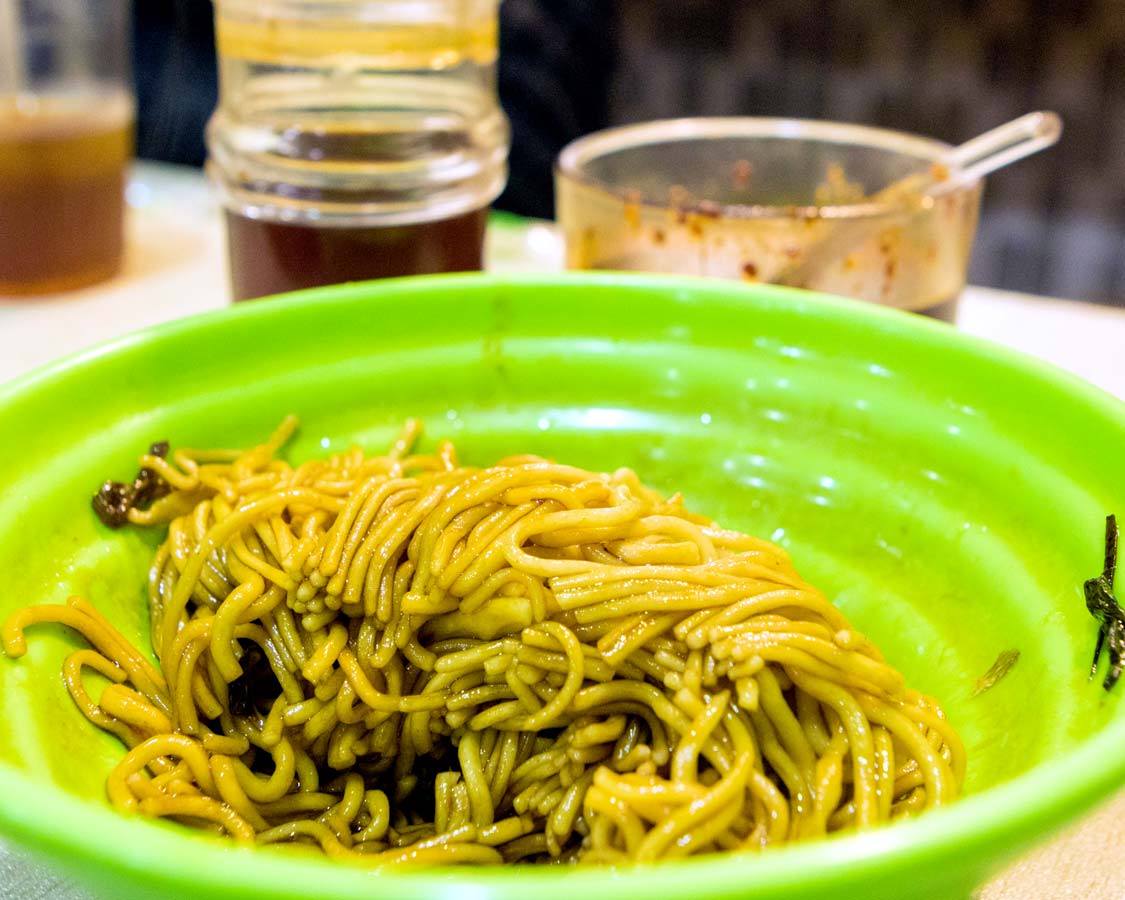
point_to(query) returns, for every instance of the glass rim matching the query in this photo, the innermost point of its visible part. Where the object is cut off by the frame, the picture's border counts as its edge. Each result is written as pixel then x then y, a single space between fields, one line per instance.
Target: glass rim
pixel 572 161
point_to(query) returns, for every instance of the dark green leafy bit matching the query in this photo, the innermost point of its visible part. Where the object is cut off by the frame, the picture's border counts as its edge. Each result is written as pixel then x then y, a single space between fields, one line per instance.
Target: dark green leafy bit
pixel 115 498
pixel 1104 607
pixel 996 671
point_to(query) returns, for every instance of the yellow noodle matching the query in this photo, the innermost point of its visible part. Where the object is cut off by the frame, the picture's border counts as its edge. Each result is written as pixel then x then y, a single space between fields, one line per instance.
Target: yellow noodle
pixel 400 659
pixel 95 712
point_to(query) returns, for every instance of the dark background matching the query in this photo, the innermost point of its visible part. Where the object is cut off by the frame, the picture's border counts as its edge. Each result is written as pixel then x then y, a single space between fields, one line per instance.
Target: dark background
pixel 1052 224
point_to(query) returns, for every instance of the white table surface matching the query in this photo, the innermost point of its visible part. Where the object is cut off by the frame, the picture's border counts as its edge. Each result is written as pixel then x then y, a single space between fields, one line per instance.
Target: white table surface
pixel 175 266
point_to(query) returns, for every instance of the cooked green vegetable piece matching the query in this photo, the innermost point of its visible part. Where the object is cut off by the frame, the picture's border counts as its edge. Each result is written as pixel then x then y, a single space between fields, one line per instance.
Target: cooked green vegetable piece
pixel 996 671
pixel 1104 607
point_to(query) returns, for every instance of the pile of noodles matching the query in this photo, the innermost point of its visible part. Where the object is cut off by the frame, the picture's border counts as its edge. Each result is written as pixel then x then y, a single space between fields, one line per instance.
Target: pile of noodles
pixel 402 659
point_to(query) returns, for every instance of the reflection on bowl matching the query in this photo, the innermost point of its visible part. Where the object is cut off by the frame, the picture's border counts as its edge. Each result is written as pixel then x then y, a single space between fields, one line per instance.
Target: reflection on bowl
pixel 948 494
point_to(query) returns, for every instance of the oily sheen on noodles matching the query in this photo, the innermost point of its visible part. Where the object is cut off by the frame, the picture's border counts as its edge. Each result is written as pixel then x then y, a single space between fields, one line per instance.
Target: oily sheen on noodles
pixel 403 659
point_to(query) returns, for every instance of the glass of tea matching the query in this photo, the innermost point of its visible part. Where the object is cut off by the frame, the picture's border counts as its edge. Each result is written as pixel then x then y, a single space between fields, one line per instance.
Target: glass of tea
pixel 66 138
pixel 355 140
pixel 820 205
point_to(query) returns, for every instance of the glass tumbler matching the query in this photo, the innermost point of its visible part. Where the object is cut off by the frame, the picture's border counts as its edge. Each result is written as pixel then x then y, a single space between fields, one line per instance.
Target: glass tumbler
pixel 819 205
pixel 66 138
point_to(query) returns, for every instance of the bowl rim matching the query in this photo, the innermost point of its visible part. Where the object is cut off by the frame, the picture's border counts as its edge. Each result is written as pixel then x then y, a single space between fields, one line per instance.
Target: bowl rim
pixel 101 840
pixel 574 157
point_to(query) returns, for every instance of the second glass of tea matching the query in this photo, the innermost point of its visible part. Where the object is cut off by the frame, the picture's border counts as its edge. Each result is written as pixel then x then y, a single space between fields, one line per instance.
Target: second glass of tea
pixel 66 139
pixel 800 203
pixel 355 140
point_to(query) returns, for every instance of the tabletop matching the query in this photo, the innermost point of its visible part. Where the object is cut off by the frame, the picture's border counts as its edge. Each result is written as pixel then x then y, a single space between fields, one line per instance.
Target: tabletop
pixel 176 265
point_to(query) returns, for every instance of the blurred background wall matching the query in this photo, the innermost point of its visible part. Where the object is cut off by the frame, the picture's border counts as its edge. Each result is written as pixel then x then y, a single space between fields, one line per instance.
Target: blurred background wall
pixel 1053 224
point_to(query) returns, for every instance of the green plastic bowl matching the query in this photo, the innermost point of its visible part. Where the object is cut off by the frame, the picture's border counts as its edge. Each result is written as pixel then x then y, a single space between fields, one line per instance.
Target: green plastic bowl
pixel 948 493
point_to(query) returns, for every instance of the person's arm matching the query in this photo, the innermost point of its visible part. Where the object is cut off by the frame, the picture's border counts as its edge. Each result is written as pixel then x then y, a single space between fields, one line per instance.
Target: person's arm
pixel 176 78
pixel 556 62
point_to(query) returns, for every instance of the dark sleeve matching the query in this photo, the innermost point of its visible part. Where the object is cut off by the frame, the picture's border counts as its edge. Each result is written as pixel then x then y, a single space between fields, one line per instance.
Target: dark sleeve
pixel 176 78
pixel 556 62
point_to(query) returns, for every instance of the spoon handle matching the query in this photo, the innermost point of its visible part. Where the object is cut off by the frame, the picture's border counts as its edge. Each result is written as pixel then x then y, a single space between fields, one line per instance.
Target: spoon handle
pixel 997 148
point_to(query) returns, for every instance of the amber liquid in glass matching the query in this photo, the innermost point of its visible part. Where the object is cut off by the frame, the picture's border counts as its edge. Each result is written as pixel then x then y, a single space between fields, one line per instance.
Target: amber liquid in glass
pixel 62 181
pixel 271 257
